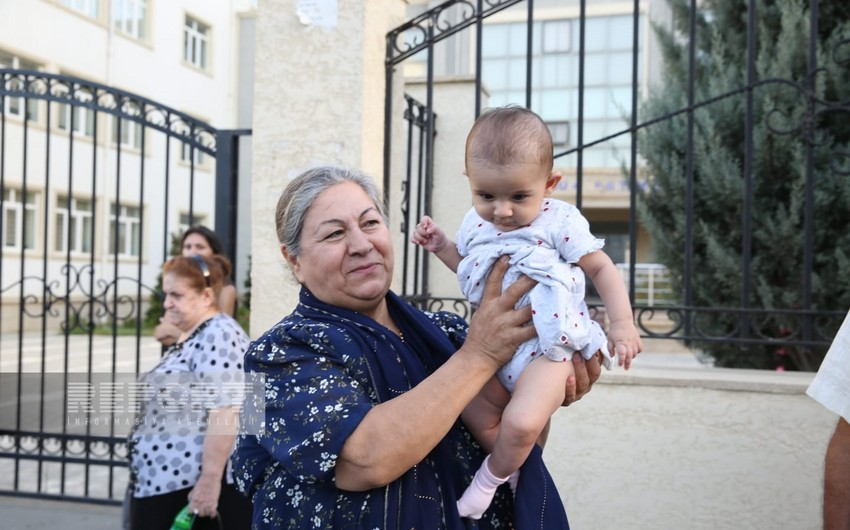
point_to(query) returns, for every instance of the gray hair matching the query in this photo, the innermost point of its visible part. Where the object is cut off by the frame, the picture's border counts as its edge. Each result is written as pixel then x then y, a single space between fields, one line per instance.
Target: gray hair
pixel 302 191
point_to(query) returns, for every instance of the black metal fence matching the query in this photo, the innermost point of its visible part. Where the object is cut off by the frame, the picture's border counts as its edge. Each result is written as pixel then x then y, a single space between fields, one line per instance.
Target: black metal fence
pixel 96 184
pixel 462 26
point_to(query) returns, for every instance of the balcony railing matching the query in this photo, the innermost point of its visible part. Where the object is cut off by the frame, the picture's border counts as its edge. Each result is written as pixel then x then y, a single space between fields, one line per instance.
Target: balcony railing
pixel 653 286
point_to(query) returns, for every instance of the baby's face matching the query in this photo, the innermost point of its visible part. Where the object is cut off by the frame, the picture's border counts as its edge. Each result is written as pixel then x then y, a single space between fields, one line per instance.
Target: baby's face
pixel 509 196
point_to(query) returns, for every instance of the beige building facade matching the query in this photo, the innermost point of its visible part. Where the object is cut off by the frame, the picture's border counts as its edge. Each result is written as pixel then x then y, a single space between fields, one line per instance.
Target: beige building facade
pixel 72 176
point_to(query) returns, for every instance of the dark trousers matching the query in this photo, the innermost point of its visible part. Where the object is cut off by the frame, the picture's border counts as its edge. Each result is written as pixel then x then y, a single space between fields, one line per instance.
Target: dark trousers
pixel 159 511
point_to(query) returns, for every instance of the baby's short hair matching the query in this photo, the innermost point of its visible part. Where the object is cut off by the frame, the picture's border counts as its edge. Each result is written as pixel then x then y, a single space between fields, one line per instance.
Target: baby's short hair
pixel 503 136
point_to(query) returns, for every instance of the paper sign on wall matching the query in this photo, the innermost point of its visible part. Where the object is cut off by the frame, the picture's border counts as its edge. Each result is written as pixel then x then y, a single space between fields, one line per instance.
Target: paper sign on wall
pixel 321 13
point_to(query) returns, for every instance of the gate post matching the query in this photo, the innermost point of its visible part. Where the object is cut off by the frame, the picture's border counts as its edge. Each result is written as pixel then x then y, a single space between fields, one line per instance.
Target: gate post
pixel 227 190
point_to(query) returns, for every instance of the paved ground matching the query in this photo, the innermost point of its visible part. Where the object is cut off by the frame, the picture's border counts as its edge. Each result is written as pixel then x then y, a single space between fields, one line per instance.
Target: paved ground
pixel 18 513
pixel 34 514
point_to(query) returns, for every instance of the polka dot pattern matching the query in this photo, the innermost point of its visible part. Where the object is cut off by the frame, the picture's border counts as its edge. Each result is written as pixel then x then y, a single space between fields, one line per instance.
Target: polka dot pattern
pixel 167 443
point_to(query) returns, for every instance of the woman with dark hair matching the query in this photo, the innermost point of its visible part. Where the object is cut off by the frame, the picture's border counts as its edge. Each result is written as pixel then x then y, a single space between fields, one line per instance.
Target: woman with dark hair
pixel 200 241
pixel 210 244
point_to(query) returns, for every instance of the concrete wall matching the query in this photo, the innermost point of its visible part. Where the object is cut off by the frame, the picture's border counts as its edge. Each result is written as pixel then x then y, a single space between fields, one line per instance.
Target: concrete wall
pixel 319 99
pixel 245 120
pixel 696 448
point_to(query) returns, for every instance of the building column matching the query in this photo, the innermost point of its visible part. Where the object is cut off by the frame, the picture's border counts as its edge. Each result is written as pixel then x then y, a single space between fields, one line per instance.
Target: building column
pixel 318 99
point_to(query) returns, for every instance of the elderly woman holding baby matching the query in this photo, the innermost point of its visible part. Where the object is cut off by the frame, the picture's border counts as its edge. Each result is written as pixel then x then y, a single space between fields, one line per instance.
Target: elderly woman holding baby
pixel 363 392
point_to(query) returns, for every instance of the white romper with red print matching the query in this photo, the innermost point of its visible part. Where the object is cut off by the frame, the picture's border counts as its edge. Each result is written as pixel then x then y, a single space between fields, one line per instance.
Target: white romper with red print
pixel 546 250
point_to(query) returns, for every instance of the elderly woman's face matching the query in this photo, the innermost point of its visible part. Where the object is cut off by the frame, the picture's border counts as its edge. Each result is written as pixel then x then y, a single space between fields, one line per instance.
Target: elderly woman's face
pixel 346 254
pixel 184 306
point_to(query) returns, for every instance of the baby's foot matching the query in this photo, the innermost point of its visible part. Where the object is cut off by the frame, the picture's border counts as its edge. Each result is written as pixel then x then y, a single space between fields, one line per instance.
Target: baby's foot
pixel 478 496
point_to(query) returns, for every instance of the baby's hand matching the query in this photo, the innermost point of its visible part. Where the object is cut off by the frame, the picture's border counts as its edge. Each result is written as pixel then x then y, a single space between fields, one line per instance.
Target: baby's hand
pixel 624 340
pixel 429 236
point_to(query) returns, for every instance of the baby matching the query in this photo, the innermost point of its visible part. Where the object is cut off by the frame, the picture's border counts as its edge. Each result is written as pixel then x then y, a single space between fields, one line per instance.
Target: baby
pixel 509 166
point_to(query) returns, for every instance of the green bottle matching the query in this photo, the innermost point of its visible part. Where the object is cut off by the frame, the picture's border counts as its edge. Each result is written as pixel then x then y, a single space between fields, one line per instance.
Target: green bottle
pixel 184 520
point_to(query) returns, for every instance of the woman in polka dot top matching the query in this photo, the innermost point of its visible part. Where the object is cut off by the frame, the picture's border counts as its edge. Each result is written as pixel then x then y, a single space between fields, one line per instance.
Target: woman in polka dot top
pixel 189 407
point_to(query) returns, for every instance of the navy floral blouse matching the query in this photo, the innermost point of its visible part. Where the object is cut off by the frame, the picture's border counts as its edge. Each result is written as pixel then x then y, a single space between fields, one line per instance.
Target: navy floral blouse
pixel 324 369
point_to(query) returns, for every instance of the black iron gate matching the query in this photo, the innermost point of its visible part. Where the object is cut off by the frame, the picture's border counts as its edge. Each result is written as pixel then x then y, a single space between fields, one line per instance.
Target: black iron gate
pixel 96 183
pixel 451 39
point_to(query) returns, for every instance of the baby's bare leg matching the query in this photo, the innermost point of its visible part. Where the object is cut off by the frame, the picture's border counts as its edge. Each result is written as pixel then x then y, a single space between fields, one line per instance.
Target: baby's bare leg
pixel 484 413
pixel 538 394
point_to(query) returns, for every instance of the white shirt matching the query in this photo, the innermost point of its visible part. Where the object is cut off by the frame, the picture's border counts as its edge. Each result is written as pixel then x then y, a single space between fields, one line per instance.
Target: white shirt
pixel 831 385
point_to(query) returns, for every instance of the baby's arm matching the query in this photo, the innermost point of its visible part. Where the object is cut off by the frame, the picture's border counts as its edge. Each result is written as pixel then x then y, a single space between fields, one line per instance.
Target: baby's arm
pixel 623 337
pixel 432 238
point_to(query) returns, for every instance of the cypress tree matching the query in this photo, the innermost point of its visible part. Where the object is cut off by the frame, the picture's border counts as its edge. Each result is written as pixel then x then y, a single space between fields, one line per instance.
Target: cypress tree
pixel 789 115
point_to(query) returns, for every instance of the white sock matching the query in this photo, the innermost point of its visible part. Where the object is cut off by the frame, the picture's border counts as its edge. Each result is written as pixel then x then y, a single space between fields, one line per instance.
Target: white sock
pixel 479 494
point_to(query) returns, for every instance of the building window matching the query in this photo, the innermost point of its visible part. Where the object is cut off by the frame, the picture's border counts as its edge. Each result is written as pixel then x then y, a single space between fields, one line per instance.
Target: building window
pixel 74 224
pixel 186 155
pixel 187 222
pixel 129 134
pixel 76 118
pixel 126 227
pixel 555 77
pixel 556 36
pixel 90 8
pixel 19 215
pixel 196 43
pixel 130 17
pixel 616 236
pixel 14 106
pixel 560 131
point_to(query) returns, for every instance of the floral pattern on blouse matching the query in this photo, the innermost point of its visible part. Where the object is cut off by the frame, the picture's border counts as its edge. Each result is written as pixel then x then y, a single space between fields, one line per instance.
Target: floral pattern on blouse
pixel 318 388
